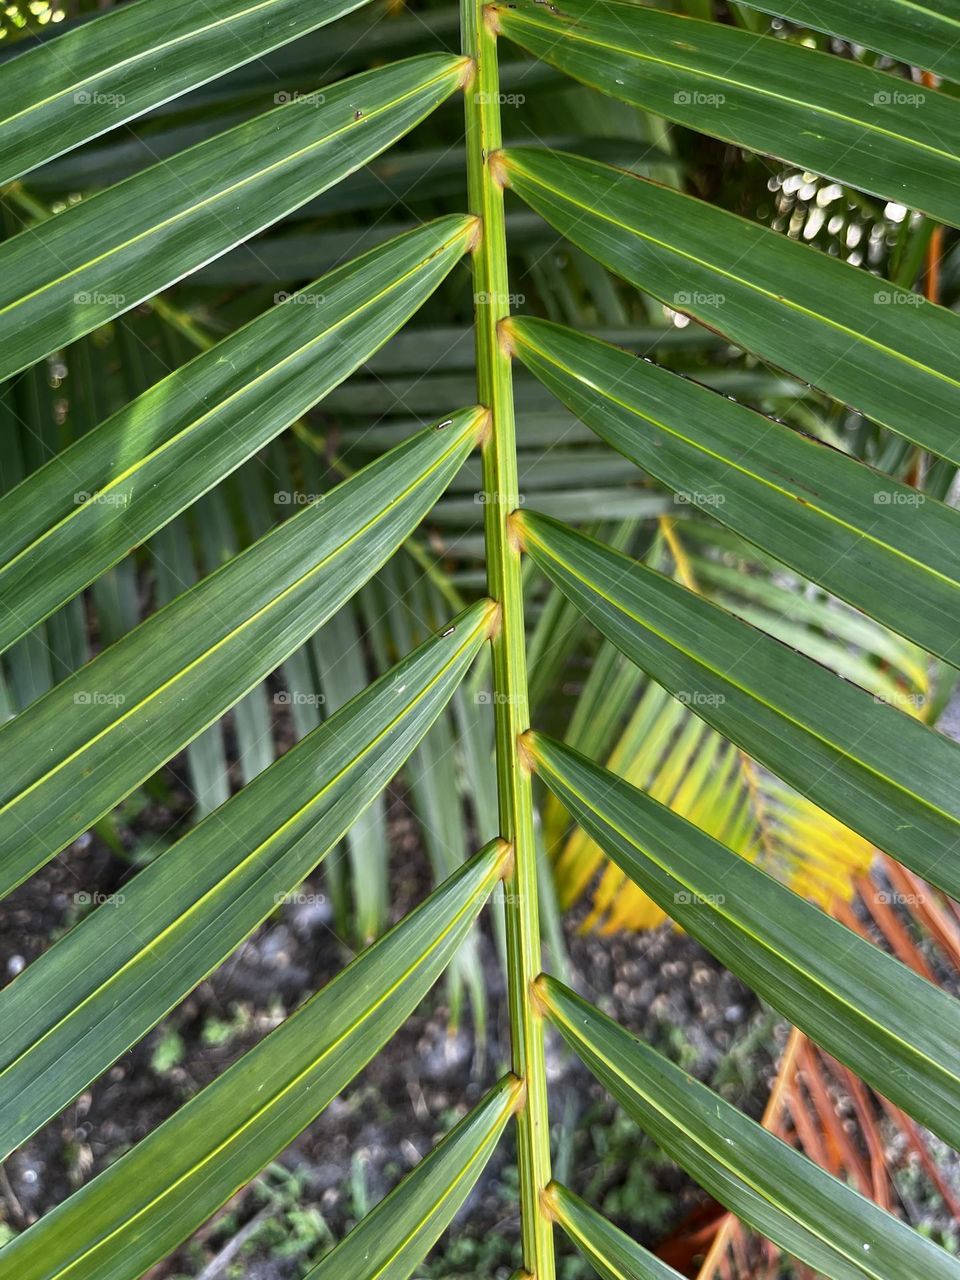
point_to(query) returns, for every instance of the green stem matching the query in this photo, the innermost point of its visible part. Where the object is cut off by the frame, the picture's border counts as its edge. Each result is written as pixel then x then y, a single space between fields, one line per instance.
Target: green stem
pixel 511 703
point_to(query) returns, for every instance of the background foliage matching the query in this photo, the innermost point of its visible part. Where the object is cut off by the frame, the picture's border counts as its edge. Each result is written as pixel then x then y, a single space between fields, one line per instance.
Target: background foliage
pixel 320 361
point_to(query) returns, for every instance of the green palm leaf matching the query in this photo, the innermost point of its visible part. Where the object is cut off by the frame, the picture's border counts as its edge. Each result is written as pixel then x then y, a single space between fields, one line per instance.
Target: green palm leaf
pixel 768 665
pixel 881 545
pixel 763 1181
pixel 118 484
pixel 100 258
pixel 877 770
pixel 102 987
pixel 101 732
pixel 104 73
pixel 847 122
pixel 396 1236
pixel 897 1031
pixel 888 352
pixel 612 1254
pixel 923 32
pixel 145 1204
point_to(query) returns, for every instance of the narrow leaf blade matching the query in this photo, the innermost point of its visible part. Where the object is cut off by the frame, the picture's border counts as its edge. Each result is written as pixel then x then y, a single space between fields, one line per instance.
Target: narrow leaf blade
pixel 140 1208
pixel 879 544
pixel 86 744
pixel 768 1184
pixel 880 772
pixel 922 33
pixel 861 127
pixel 395 1237
pixel 83 511
pixel 98 259
pixel 612 1254
pixel 895 1029
pixel 888 352
pixel 84 82
pixel 107 982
